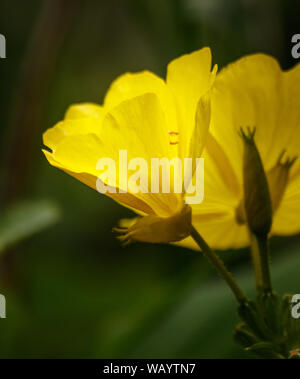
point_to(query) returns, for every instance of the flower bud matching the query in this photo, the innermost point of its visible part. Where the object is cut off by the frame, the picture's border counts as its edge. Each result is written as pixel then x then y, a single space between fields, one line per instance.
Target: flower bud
pixel 278 178
pixel 257 200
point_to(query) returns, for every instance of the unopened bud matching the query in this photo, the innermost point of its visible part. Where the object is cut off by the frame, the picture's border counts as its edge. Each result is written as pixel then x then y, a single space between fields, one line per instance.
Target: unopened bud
pixel 278 178
pixel 257 200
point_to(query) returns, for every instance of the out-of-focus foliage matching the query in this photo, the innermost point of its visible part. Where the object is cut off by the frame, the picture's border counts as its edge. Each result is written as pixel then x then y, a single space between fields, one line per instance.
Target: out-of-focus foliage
pixel 22 220
pixel 73 291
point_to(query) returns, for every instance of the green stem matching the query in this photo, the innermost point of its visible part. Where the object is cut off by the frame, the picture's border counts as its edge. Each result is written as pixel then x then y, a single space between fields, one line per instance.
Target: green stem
pixel 261 263
pixel 213 258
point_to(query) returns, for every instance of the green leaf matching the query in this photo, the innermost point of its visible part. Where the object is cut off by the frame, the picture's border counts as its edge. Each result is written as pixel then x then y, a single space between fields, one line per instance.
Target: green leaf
pixel 25 219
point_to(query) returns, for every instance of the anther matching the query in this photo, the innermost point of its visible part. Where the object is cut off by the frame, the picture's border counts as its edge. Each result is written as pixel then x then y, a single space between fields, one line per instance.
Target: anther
pixel 173 139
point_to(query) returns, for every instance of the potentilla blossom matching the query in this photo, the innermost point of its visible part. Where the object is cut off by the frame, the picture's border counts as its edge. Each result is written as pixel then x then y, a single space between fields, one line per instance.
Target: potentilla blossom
pixel 148 118
pixel 255 94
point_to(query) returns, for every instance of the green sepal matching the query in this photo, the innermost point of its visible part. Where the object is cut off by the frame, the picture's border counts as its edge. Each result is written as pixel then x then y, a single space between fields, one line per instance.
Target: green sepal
pixel 248 312
pixel 265 349
pixel 268 328
pixel 244 336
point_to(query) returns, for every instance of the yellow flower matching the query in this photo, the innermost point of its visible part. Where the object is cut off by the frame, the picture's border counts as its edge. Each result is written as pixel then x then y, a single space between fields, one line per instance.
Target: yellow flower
pixel 252 92
pixel 149 118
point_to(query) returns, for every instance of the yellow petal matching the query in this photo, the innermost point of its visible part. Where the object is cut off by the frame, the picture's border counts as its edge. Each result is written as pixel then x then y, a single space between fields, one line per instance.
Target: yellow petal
pixel 221 190
pixel 221 232
pixel 138 126
pixel 287 133
pixel 254 91
pixel 54 135
pixel 287 220
pixel 189 77
pixel 83 110
pixel 133 126
pixel 220 163
pixel 63 129
pixel 132 85
pixel 200 130
pixel 248 93
pixel 127 199
pixel 214 218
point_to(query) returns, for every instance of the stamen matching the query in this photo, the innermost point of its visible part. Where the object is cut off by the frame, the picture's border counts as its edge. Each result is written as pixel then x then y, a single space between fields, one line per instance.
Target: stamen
pixel 172 134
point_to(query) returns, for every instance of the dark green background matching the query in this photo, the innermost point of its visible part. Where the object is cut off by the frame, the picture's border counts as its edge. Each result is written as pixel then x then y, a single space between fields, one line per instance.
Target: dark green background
pixel 71 290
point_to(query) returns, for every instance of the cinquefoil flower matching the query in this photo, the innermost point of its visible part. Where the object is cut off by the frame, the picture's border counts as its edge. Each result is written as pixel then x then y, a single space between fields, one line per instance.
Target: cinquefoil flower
pixel 252 92
pixel 149 118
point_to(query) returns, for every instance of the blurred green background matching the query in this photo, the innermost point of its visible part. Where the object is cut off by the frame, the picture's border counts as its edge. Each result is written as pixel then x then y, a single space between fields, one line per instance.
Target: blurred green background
pixel 71 290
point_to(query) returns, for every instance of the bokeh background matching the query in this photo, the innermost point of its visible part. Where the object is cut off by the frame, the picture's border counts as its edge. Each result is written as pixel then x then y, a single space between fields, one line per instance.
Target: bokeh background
pixel 71 290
